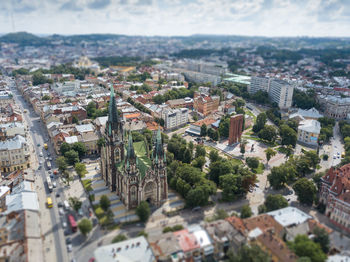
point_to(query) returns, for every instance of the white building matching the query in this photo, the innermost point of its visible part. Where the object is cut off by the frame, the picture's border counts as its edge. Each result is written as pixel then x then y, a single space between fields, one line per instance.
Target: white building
pixel 14 154
pixel 174 118
pixel 279 91
pixel 308 131
pixel 12 129
pixel 312 113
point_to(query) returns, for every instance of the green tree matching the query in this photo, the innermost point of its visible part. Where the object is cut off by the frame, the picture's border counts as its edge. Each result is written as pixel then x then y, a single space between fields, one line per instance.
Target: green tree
pixel 200 151
pixel 197 197
pixel 203 130
pixel 242 147
pixel 269 152
pixel 231 186
pixel 305 247
pixel 143 211
pixel 219 168
pixel 80 148
pixel 61 162
pixel 288 135
pixel 306 191
pixel 72 157
pixel 252 253
pixel 65 147
pixel 252 162
pixel 199 162
pixel 85 226
pixel 274 202
pixel 75 119
pixel 75 203
pixel 246 211
pixel 105 203
pixel 80 168
pixel 260 122
pixel 214 156
pixel 268 133
pixel 280 175
pixel 321 237
pixel 119 238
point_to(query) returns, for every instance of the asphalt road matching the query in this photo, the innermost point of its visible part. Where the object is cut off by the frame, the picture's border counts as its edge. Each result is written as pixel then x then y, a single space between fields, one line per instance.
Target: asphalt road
pixel 37 131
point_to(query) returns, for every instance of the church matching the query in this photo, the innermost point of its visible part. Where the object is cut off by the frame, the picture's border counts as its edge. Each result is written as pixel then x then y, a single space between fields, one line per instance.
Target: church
pixel 129 169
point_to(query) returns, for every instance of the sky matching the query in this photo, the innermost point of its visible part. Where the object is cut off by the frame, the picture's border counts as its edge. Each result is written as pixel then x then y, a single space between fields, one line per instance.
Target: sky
pixel 178 17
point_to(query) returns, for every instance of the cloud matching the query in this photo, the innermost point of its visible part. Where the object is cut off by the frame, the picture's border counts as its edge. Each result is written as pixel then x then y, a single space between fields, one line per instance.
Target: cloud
pixel 99 4
pixel 180 17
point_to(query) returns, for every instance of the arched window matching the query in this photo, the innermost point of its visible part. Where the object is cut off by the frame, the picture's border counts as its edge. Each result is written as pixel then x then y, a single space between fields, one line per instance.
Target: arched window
pixel 133 193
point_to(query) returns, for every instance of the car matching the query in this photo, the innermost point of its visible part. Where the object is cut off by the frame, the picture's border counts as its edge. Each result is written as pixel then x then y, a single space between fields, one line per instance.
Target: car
pixel 196 209
pixel 48 154
pixel 69 247
pixel 68 240
pixel 57 194
pixel 290 192
pixel 39 167
pixel 40 162
pixel 61 211
pixel 38 144
pixel 256 184
pixel 251 190
pixel 335 156
pixel 288 199
pixel 54 184
pixel 64 224
pixel 46 158
pixel 338 153
pixel 338 156
pixel 66 233
pixel 40 154
pixel 50 158
pixel 50 172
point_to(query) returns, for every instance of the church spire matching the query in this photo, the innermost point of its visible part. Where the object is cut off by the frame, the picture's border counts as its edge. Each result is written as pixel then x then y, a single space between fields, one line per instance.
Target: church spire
pixel 113 117
pixel 158 145
pixel 131 151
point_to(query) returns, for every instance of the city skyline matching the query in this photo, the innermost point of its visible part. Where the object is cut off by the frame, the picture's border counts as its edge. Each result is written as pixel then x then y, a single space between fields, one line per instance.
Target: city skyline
pixel 166 18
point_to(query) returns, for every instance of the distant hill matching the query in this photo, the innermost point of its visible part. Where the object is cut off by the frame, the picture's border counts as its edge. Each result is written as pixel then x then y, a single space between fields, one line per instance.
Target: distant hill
pixel 23 38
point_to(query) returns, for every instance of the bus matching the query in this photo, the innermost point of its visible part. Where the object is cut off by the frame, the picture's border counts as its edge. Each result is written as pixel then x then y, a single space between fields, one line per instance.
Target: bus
pixel 45 146
pixel 72 223
pixel 48 163
pixel 49 183
pixel 49 202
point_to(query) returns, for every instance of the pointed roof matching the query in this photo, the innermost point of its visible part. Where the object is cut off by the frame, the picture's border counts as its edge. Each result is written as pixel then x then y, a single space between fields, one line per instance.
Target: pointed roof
pixel 113 116
pixel 131 151
pixel 159 146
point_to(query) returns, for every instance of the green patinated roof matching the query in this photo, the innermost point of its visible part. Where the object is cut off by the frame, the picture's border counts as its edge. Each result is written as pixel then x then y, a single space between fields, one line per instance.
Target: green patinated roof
pixel 143 163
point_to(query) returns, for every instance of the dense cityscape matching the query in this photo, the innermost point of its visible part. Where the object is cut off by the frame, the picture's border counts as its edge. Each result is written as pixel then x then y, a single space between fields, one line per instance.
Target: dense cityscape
pixel 174 148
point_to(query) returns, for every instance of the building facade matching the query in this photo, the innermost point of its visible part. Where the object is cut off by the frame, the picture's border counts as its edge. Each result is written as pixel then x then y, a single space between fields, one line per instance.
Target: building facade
pixel 14 154
pixel 308 132
pixel 279 91
pixel 236 129
pixel 174 118
pixel 128 168
pixel 205 104
pixel 335 195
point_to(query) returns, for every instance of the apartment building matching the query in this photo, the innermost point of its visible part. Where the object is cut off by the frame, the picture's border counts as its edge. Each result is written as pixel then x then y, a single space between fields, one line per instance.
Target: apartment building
pixel 14 154
pixel 174 118
pixel 308 132
pixel 205 104
pixel 279 91
pixel 335 195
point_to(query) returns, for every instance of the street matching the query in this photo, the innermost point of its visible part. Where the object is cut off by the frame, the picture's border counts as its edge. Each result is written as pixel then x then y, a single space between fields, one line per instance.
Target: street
pixel 50 219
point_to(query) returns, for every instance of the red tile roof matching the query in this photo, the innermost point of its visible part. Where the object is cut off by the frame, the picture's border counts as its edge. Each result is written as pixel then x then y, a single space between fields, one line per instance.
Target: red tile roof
pixel 186 240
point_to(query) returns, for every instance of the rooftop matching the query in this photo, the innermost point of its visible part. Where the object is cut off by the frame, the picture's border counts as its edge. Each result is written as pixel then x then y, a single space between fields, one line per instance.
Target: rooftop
pixel 13 143
pixel 22 201
pixel 132 250
pixel 289 216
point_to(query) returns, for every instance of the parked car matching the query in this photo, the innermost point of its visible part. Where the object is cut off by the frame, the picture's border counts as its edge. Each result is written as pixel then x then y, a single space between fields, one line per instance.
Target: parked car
pixel 64 224
pixel 40 154
pixel 61 211
pixel 54 184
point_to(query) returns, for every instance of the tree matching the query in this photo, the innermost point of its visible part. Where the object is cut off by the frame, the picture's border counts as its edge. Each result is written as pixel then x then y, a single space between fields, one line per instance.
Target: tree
pixel 80 168
pixel 101 142
pixel 143 211
pixel 119 238
pixel 187 156
pixel 280 175
pixel 214 156
pixel 199 162
pixel 65 147
pixel 85 226
pixel 200 151
pixel 252 253
pixel 288 135
pixel 197 197
pixel 210 133
pixel 270 152
pixel 61 162
pixel 204 130
pixel 105 203
pixel 252 162
pixel 268 133
pixel 75 119
pixel 80 148
pixel 321 237
pixel 306 191
pixel 274 202
pixel 246 211
pixel 305 247
pixel 242 146
pixel 75 203
pixel 260 122
pixel 231 186
pixel 219 168
pixel 72 157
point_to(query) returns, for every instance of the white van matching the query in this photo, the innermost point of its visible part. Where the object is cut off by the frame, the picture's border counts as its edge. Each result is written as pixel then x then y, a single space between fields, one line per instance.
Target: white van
pixel 66 204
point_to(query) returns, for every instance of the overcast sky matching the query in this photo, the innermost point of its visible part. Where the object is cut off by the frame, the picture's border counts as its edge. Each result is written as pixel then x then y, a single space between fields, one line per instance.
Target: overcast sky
pixel 178 17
